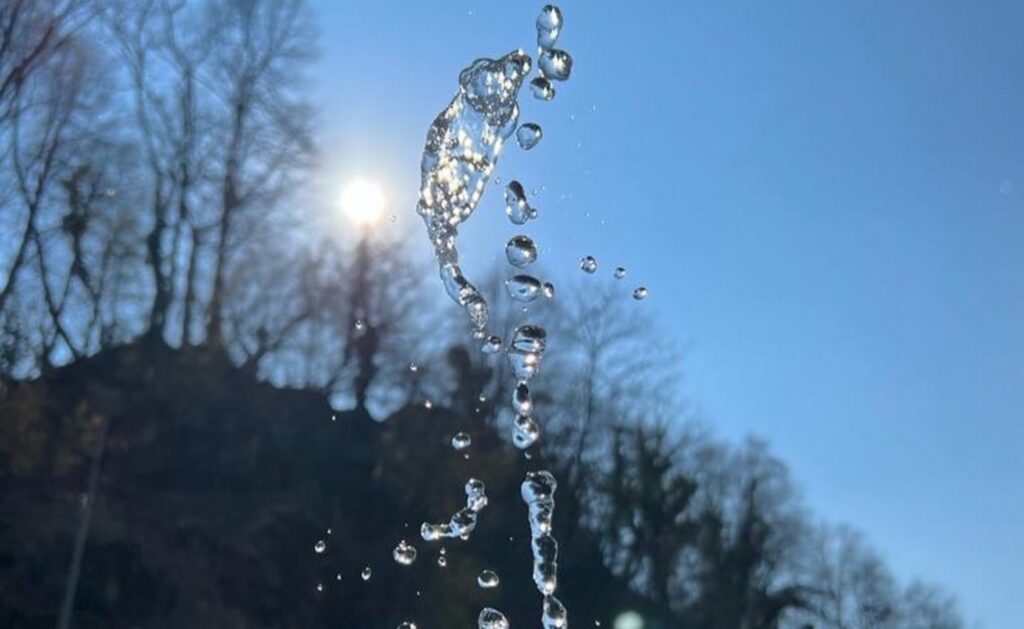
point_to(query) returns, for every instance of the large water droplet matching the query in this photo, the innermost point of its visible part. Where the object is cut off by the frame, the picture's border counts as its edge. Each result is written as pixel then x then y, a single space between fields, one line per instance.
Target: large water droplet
pixel 554 615
pixel 528 135
pixel 549 26
pixel 542 89
pixel 461 441
pixel 491 619
pixel 523 288
pixel 366 573
pixel 555 64
pixel 320 546
pixel 588 264
pixel 525 432
pixel 517 207
pixel 488 579
pixel 640 292
pixel 521 251
pixel 404 553
pixel 526 351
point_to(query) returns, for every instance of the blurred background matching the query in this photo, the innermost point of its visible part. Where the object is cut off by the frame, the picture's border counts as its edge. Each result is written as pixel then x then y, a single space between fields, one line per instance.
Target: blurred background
pixel 223 339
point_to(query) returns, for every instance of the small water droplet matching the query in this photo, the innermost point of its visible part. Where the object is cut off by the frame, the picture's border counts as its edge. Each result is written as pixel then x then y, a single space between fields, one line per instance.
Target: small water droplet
pixel 492 345
pixel 517 208
pixel 319 587
pixel 549 290
pixel 491 619
pixel 542 89
pixel 488 579
pixel 428 404
pixel 413 367
pixel 525 432
pixel 640 292
pixel 521 251
pixel 620 272
pixel 555 64
pixel 588 264
pixel 549 26
pixel 408 624
pixel 528 135
pixel 523 288
pixel 404 553
pixel 320 546
pixel 366 573
pixel 461 441
pixel 442 561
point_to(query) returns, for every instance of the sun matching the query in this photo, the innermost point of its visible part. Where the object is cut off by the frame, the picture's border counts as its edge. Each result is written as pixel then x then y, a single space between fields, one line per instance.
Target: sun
pixel 363 201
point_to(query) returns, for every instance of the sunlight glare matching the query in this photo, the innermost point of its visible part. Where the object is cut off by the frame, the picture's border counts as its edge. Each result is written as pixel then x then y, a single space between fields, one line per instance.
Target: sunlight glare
pixel 363 202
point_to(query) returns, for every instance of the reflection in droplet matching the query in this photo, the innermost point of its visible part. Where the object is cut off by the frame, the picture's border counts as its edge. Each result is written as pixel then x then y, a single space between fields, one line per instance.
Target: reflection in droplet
pixel 521 251
pixel 528 135
pixel 404 553
pixel 461 441
pixel 542 89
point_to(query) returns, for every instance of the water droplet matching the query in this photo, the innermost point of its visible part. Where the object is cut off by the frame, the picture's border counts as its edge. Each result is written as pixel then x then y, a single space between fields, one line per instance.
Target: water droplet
pixel 549 26
pixel 404 553
pixel 320 546
pixel 521 251
pixel 620 272
pixel 488 579
pixel 542 89
pixel 521 401
pixel 640 292
pixel 588 264
pixel 517 208
pixel 442 561
pixel 492 345
pixel 427 404
pixel 338 576
pixel 366 573
pixel 476 496
pixel 526 351
pixel 360 326
pixel 523 288
pixel 319 587
pixel 528 135
pixel 413 367
pixel 554 615
pixel 525 432
pixel 491 619
pixel 461 441
pixel 408 624
pixel 555 64
pixel 549 290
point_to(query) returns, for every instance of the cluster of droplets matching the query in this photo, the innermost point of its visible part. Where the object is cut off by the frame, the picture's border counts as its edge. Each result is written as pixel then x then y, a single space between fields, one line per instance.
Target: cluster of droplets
pixel 538 491
pixel 588 264
pixel 463 145
pixel 463 522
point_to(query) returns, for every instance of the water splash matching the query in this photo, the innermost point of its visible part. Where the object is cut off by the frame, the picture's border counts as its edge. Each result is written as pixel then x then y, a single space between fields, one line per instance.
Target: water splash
pixel 463 522
pixel 462 147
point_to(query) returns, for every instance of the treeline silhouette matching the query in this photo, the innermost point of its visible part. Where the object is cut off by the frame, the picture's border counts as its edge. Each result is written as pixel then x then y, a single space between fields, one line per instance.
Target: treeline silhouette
pixel 174 351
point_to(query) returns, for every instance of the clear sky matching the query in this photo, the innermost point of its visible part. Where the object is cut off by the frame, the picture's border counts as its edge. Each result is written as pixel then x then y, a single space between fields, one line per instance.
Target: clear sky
pixel 826 200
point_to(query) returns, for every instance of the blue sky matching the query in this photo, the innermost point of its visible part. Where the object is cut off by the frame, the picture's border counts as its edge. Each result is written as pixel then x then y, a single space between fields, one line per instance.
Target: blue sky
pixel 826 200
